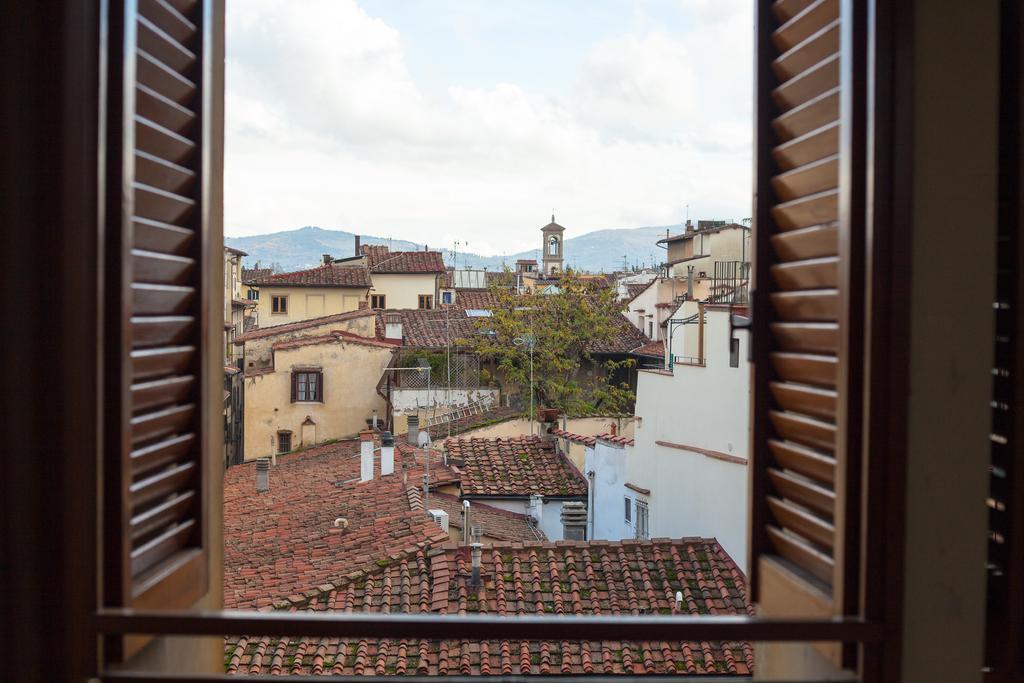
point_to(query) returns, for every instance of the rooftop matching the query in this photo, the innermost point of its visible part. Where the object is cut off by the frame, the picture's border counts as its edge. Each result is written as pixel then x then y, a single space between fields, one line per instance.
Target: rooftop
pixel 579 578
pixel 283 541
pixel 326 275
pixel 493 522
pixel 287 328
pixel 381 260
pixel 517 466
pixel 432 329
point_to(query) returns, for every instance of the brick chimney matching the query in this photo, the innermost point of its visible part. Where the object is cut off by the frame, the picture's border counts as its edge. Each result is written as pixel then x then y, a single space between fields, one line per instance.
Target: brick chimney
pixel 327 259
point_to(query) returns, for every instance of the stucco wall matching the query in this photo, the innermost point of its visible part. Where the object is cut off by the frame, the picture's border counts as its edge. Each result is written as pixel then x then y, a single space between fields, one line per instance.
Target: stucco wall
pixel 308 302
pixel 550 517
pixel 403 290
pixel 607 491
pixel 706 408
pixel 414 400
pixel 350 371
pixel 258 352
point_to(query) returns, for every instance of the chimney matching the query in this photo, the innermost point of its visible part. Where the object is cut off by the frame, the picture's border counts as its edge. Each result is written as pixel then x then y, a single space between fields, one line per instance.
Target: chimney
pixel 689 283
pixel 535 508
pixel 356 252
pixel 327 259
pixel 614 429
pixel 393 326
pixel 262 475
pixel 465 522
pixel 414 430
pixel 475 552
pixel 387 453
pixel 689 225
pixel 679 601
pixel 574 521
pixel 365 455
pixel 375 419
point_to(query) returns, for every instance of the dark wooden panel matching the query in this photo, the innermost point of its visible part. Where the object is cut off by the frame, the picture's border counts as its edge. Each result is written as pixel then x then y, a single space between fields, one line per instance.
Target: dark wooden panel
pixel 816 305
pixel 817 144
pixel 814 50
pixel 802 523
pixel 806 367
pixel 163 174
pixel 173 360
pixel 159 516
pixel 161 392
pixel 161 484
pixel 811 495
pixel 157 42
pixel 805 461
pixel 804 430
pixel 815 401
pixel 160 78
pixel 158 140
pixel 805 24
pixel 159 205
pixel 785 10
pixel 149 299
pixel 808 337
pixel 803 554
pixel 152 106
pixel 163 423
pixel 172 21
pixel 820 273
pixel 821 78
pixel 806 243
pixel 811 178
pixel 808 117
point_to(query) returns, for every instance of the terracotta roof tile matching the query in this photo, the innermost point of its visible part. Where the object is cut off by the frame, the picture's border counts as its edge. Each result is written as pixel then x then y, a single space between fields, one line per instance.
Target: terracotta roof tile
pixel 250 275
pixel 616 438
pixel 283 541
pixel 493 522
pixel 327 275
pixel 575 438
pixel 381 260
pixel 431 329
pixel 626 339
pixel 610 578
pixel 518 466
pixel 653 349
pixel 262 332
pixel 333 337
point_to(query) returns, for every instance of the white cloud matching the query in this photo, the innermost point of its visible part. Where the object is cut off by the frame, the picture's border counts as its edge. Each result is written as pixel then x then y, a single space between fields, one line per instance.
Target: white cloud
pixel 326 127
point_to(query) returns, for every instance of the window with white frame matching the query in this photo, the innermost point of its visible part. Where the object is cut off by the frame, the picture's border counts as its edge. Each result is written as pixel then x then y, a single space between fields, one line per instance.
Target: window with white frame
pixel 642 517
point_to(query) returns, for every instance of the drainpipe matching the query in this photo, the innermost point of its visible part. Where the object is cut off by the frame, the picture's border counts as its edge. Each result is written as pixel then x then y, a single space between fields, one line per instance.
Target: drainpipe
pixel 590 503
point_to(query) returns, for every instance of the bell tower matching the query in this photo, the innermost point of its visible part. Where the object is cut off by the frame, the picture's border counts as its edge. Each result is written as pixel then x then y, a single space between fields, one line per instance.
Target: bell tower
pixel 552 248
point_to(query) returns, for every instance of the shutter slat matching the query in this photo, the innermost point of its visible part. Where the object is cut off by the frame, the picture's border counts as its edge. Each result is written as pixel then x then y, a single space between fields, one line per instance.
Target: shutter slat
pixel 805 461
pixel 820 273
pixel 162 142
pixel 819 79
pixel 159 516
pixel 806 368
pixel 805 492
pixel 163 423
pixel 150 299
pixel 160 392
pixel 811 400
pixel 156 268
pixel 808 337
pixel 803 554
pixel 167 330
pixel 157 42
pixel 811 178
pixel 160 484
pixel 163 174
pixel 164 80
pixel 170 20
pixel 808 117
pixel 157 204
pixel 153 235
pixel 802 523
pixel 804 430
pixel 161 547
pixel 152 106
pixel 806 243
pixel 822 207
pixel 161 454
pixel 805 24
pixel 785 10
pixel 815 305
pixel 814 50
pixel 172 360
pixel 818 144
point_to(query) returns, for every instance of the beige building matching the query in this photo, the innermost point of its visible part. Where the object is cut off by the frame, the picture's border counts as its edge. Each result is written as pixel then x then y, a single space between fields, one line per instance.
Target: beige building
pixel 654 304
pixel 317 388
pixel 236 306
pixel 696 250
pixel 256 346
pixel 404 279
pixel 333 287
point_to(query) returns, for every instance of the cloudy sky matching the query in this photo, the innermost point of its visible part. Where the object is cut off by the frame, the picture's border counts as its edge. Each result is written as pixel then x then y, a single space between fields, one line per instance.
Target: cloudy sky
pixel 470 120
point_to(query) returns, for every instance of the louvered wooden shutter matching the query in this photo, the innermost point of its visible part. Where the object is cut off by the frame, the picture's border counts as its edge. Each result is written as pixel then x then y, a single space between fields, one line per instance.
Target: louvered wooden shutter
pixel 807 318
pixel 157 263
pixel 1005 627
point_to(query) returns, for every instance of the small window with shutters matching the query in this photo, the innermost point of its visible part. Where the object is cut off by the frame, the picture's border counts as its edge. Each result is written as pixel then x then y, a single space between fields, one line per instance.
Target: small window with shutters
pixel 158 260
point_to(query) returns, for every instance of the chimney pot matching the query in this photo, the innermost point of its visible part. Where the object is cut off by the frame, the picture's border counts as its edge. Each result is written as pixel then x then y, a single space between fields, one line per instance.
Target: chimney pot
pixel 357 246
pixel 414 430
pixel 365 455
pixel 327 259
pixel 262 475
pixel 574 521
pixel 475 552
pixel 387 454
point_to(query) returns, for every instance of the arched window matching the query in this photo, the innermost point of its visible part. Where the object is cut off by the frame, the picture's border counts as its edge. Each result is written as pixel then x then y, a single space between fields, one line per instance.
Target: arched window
pixel 553 246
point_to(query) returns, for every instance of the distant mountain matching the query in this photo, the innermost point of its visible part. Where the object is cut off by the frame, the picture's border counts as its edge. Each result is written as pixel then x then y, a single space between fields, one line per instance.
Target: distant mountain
pixel 601 250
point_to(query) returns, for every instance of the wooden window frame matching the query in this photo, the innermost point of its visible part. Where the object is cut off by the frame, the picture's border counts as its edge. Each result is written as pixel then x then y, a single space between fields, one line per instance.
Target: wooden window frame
pixel 296 380
pixel 276 307
pixel 380 299
pixel 429 299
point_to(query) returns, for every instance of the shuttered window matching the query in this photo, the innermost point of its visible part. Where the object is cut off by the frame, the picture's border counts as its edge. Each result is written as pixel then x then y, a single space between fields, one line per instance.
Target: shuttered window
pixel 808 233
pixel 157 264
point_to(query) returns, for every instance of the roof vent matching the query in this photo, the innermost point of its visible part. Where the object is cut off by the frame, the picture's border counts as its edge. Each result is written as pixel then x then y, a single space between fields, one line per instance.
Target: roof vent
pixel 679 600
pixel 387 453
pixel 414 430
pixel 262 475
pixel 365 455
pixel 441 517
pixel 574 521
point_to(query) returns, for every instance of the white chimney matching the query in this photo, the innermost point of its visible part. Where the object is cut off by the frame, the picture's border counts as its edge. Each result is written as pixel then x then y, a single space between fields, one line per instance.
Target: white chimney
pixel 365 455
pixel 475 552
pixel 441 517
pixel 535 508
pixel 393 326
pixel 387 454
pixel 465 522
pixel 679 600
pixel 262 475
